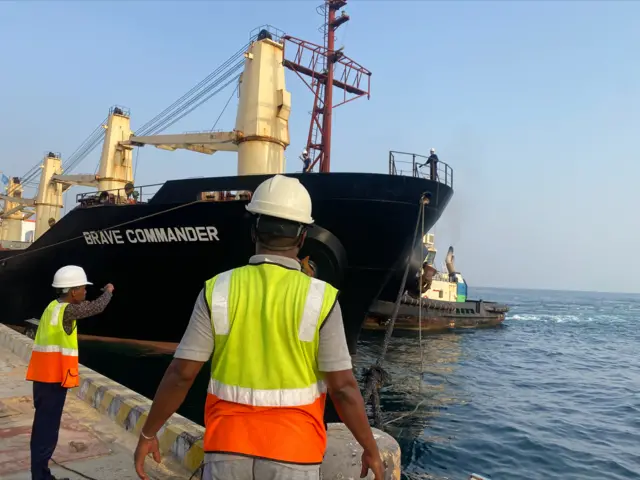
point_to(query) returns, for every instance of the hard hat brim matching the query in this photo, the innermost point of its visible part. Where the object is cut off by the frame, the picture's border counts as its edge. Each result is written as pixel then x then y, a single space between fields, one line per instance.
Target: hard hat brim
pixel 71 286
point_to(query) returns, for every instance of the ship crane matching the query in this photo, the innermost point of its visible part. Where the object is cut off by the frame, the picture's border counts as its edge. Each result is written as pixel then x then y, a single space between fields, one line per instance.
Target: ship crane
pixel 261 133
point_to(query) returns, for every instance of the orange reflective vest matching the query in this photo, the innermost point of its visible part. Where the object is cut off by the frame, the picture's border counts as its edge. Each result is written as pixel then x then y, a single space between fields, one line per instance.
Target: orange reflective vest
pixel 54 358
pixel 266 396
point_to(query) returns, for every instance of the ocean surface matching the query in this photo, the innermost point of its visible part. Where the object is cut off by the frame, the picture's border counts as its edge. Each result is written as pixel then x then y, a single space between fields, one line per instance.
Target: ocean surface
pixel 553 394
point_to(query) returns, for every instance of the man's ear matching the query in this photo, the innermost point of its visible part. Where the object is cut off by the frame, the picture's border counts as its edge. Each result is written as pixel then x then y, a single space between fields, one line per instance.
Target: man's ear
pixel 303 237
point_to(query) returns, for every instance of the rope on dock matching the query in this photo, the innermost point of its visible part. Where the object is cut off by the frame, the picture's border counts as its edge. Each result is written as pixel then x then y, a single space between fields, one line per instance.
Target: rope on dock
pixel 376 376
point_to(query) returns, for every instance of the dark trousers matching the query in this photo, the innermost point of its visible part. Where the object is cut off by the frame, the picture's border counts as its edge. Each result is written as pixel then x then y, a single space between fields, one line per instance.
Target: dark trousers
pixel 48 398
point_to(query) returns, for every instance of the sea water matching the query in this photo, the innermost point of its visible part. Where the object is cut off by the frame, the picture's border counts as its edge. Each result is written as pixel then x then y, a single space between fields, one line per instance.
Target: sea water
pixel 553 394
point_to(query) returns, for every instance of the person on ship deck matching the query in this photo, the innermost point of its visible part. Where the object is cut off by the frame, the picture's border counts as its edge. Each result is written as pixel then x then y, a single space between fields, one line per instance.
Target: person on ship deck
pixel 306 161
pixel 432 161
pixel 276 352
pixel 53 367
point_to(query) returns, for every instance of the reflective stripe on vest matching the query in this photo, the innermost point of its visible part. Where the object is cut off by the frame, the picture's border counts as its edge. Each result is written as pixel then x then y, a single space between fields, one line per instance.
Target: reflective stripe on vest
pixel 266 321
pixel 54 358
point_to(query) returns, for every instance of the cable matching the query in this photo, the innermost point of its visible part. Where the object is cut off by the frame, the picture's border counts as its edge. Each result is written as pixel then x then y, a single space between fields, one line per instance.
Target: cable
pixel 142 130
pixel 178 114
pixel 201 89
pixel 376 376
pixel 135 168
pixel 225 107
pixel 420 306
pixel 200 468
pixel 164 127
pixel 72 470
pixel 27 252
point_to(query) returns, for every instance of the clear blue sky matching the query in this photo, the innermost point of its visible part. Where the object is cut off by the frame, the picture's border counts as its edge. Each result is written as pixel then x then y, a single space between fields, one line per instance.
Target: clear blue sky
pixel 536 105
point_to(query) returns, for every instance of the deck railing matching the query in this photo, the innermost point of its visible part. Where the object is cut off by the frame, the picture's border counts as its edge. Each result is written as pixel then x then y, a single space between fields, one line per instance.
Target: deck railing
pixel 414 165
pixel 118 196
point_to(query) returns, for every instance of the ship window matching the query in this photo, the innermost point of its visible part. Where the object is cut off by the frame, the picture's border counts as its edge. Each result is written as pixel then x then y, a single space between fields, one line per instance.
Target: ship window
pixel 441 294
pixel 225 196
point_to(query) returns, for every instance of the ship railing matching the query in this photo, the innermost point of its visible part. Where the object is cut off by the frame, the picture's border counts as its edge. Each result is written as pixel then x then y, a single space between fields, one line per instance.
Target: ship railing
pixel 276 33
pixel 120 110
pixel 118 196
pixel 414 165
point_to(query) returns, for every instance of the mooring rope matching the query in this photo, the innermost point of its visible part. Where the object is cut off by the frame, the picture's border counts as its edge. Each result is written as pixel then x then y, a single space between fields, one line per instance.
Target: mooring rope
pixel 376 376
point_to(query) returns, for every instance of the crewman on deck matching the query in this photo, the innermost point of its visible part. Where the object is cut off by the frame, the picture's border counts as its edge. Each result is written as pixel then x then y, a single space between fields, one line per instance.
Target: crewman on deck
pixel 306 161
pixel 279 347
pixel 432 161
pixel 53 367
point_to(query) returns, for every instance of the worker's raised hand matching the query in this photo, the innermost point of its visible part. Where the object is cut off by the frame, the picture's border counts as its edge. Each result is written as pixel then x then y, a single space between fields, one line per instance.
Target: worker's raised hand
pixel 144 448
pixel 372 461
pixel 109 288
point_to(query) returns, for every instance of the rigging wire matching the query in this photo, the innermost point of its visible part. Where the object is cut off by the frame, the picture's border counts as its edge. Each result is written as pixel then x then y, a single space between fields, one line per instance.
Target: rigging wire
pixel 225 107
pixel 164 118
pixel 147 126
pixel 183 114
pixel 85 147
pixel 135 168
pixel 192 99
pixel 105 229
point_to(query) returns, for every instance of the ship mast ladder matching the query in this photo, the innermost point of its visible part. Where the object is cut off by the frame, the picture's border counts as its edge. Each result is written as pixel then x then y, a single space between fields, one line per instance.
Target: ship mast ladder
pixel 321 68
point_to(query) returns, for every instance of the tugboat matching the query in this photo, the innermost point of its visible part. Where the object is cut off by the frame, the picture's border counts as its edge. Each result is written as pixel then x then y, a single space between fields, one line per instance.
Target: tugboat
pixel 159 244
pixel 443 298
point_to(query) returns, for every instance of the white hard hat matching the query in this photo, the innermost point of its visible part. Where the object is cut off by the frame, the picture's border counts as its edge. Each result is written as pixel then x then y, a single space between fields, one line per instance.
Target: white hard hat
pixel 433 150
pixel 304 152
pixel 69 277
pixel 282 197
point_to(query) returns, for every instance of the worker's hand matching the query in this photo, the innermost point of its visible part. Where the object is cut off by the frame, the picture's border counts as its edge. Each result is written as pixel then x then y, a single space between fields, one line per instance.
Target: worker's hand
pixel 144 448
pixel 372 461
pixel 109 288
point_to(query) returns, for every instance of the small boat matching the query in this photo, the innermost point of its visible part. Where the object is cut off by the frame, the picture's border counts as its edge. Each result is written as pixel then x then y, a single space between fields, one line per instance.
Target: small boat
pixel 443 296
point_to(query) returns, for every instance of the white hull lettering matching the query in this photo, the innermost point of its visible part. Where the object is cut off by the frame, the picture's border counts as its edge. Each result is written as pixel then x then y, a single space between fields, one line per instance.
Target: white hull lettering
pixel 206 233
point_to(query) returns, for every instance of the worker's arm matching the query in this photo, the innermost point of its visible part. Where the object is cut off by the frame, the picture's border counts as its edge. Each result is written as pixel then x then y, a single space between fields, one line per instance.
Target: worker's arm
pixel 334 361
pixel 194 351
pixel 86 309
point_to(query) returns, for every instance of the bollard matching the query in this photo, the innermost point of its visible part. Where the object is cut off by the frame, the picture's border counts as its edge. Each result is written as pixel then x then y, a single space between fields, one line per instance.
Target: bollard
pixel 343 457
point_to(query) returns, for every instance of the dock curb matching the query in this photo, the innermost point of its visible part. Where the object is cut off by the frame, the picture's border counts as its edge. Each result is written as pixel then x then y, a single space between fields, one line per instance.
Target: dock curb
pixel 179 437
pixel 182 439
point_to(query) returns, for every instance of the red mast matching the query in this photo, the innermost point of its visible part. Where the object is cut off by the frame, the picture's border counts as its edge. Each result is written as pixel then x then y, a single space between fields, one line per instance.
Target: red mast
pixel 336 70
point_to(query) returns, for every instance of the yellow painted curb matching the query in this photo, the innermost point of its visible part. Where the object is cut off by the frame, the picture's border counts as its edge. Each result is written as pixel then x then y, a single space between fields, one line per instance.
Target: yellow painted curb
pixel 179 437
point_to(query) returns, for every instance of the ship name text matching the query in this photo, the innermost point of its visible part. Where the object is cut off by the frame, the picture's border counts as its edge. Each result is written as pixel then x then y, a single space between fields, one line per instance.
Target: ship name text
pixel 152 235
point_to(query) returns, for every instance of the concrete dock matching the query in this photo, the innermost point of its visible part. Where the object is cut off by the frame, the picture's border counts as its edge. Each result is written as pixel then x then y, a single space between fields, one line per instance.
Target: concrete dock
pixel 101 423
pixel 90 442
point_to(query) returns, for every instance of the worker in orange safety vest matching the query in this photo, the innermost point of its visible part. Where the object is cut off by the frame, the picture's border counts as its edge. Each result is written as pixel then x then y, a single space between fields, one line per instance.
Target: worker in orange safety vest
pixel 278 346
pixel 53 367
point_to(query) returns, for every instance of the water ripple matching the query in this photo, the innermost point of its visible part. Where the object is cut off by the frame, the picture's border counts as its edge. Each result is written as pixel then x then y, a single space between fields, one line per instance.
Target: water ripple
pixel 553 394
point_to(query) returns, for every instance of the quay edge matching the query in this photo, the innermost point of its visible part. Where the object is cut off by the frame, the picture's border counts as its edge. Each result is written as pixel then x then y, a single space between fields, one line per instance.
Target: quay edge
pixel 181 438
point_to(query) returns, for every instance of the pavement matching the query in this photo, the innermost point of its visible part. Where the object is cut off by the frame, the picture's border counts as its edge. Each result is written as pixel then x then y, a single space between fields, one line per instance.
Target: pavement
pixel 90 442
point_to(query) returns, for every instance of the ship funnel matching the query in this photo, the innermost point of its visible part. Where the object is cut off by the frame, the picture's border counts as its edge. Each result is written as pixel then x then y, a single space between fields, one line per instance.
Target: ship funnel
pixel 449 261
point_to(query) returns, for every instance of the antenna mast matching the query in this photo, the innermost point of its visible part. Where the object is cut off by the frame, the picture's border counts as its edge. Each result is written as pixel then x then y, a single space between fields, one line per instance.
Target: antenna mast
pixel 337 70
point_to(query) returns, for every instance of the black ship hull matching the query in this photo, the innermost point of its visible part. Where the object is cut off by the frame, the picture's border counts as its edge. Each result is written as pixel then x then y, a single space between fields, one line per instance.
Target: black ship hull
pixel 159 254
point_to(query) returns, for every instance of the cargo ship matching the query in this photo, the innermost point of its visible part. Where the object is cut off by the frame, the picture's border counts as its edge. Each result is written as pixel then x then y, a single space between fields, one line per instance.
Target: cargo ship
pixel 158 244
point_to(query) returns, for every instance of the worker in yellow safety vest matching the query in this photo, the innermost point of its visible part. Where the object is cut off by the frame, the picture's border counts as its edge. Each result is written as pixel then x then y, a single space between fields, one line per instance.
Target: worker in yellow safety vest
pixel 278 345
pixel 53 367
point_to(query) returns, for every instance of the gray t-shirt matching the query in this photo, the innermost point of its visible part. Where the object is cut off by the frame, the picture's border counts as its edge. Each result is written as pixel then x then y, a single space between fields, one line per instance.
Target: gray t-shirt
pixel 197 341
